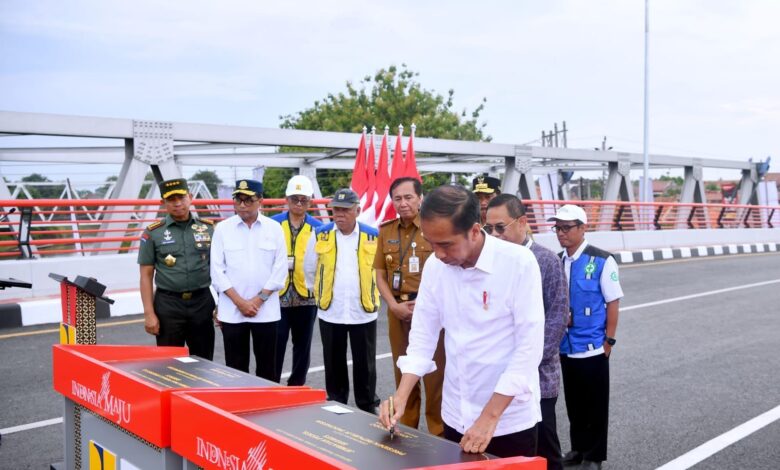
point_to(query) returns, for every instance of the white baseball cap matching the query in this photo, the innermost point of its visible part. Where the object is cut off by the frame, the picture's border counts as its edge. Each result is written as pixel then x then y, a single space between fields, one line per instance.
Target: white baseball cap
pixel 570 212
pixel 299 185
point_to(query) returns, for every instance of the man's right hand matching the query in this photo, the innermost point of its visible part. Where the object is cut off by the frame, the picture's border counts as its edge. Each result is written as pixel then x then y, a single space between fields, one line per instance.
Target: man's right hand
pixel 399 406
pixel 403 310
pixel 151 324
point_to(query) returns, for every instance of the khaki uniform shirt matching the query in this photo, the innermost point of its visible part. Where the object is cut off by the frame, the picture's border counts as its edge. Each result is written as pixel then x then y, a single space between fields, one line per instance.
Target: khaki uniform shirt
pixel 179 252
pixel 393 244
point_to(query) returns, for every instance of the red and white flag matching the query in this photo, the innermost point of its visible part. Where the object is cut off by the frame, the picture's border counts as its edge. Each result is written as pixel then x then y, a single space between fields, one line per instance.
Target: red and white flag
pixel 396 171
pixel 372 184
pixel 383 180
pixel 367 200
pixel 359 177
pixel 410 163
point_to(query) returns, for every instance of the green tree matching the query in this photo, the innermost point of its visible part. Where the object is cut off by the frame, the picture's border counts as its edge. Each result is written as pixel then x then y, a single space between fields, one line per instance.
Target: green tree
pixel 675 188
pixel 391 96
pixel 147 186
pixel 678 180
pixel 210 179
pixel 101 191
pixel 275 181
pixel 42 192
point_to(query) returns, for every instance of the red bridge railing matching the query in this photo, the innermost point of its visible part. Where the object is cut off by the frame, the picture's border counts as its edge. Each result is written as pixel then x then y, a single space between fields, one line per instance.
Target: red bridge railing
pixel 56 227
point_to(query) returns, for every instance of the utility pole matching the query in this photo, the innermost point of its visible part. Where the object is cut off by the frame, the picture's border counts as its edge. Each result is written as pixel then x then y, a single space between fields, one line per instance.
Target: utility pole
pixel 550 138
pixel 646 194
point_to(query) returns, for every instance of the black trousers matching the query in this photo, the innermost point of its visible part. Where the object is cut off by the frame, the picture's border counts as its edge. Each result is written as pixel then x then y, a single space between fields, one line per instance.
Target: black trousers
pixel 521 443
pixel 586 385
pixel 236 339
pixel 549 446
pixel 362 339
pixel 300 322
pixel 187 322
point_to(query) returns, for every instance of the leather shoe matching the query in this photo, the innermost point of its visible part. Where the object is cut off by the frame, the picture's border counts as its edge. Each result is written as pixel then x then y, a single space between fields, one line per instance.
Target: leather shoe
pixel 571 458
pixel 590 465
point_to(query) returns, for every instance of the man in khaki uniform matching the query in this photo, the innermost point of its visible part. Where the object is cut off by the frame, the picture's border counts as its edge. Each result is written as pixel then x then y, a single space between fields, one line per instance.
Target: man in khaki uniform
pixel 401 254
pixel 174 255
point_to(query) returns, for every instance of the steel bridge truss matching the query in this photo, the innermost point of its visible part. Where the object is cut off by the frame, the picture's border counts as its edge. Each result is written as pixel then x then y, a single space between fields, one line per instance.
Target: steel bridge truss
pixel 164 147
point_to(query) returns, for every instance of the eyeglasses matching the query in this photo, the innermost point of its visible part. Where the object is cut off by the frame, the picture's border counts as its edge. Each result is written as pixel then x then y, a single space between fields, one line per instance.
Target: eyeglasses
pixel 499 227
pixel 563 228
pixel 240 201
pixel 298 201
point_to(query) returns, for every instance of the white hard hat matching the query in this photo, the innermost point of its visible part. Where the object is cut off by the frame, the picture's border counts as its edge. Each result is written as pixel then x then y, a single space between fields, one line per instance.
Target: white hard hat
pixel 299 185
pixel 570 212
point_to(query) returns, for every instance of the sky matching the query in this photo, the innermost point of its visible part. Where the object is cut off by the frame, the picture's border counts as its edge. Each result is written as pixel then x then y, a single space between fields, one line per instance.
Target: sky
pixel 713 73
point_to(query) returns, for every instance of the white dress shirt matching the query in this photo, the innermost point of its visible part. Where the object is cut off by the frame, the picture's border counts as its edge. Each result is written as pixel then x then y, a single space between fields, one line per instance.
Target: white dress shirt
pixel 493 320
pixel 248 259
pixel 609 282
pixel 345 308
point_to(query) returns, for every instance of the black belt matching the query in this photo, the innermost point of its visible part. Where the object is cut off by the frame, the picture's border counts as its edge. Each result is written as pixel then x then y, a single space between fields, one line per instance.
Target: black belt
pixel 184 295
pixel 405 297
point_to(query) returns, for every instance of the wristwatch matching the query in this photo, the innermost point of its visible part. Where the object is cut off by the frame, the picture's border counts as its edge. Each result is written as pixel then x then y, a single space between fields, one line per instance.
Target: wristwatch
pixel 263 296
pixel 611 341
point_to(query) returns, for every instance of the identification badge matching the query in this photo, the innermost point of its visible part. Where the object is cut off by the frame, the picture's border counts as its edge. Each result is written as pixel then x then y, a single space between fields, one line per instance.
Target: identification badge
pixel 290 263
pixel 414 264
pixel 396 280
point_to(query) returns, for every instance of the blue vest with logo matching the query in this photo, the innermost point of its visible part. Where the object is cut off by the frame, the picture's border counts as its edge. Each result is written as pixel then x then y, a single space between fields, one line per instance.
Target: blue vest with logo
pixel 587 304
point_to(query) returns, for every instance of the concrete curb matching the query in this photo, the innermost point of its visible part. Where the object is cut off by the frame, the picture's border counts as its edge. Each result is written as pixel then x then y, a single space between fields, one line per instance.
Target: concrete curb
pixel 641 256
pixel 47 311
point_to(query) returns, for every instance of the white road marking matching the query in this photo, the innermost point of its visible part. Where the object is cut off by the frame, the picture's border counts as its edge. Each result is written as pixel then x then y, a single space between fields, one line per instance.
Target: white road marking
pixel 27 427
pixel 719 443
pixel 49 422
pixel 700 294
pixel 349 363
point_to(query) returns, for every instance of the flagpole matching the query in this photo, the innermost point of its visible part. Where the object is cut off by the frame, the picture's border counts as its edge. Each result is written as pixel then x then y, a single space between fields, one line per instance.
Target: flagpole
pixel 401 133
pixel 387 134
pixel 645 197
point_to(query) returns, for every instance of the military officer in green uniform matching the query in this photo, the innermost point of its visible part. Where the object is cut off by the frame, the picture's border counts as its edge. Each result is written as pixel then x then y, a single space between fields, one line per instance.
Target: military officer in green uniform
pixel 174 254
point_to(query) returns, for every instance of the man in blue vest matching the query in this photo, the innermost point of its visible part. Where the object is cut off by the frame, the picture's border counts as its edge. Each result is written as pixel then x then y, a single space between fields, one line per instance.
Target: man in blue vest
pixel 594 293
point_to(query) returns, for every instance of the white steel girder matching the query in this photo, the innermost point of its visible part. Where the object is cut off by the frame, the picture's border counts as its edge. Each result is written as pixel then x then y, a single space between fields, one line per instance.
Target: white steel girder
pixel 618 188
pixel 692 192
pixel 150 143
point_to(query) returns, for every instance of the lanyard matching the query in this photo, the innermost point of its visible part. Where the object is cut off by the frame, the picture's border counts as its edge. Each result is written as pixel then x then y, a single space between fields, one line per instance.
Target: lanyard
pixel 294 233
pixel 403 253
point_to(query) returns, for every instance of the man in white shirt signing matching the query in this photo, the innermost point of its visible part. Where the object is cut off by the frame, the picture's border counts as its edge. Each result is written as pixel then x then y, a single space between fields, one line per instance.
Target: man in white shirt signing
pixel 486 294
pixel 248 268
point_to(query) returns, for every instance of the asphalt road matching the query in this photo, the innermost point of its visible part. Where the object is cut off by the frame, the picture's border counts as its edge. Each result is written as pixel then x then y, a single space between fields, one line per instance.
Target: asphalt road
pixel 692 362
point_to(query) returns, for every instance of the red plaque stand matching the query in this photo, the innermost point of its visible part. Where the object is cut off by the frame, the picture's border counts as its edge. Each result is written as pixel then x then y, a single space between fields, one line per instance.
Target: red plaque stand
pixel 117 401
pixel 137 407
pixel 278 428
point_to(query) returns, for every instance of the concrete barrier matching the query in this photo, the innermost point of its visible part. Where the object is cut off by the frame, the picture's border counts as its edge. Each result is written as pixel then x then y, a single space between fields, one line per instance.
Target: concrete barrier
pixel 116 272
